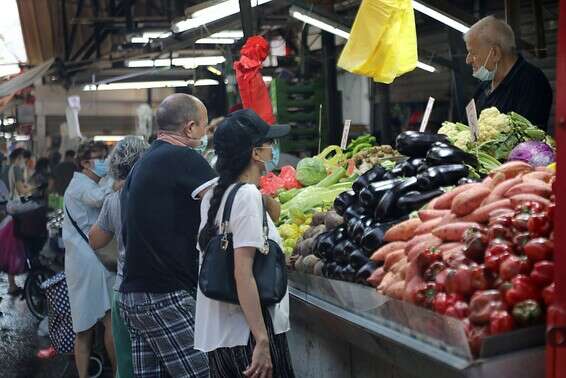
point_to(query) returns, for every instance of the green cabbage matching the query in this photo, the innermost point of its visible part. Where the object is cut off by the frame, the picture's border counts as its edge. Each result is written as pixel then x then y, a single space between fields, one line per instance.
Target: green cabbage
pixel 310 171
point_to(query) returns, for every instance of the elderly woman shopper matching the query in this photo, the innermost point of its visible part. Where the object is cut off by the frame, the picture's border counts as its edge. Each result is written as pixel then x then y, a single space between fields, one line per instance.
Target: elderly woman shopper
pixel 109 225
pixel 90 283
pixel 246 339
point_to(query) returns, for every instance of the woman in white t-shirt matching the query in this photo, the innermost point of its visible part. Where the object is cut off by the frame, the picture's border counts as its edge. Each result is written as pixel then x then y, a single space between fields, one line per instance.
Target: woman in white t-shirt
pixel 246 340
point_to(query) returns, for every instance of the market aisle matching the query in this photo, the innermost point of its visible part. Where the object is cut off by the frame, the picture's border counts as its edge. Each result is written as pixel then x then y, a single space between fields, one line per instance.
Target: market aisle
pixel 19 341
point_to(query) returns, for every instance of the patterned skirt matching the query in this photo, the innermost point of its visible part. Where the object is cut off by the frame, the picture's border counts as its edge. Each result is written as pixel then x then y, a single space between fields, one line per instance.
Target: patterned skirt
pixel 232 362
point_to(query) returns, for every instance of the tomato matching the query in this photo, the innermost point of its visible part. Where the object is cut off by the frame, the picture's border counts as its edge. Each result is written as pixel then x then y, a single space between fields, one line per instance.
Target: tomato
pixel 539 249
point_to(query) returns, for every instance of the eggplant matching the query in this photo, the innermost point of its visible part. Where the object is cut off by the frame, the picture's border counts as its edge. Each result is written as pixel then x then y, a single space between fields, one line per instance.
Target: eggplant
pixel 324 246
pixel 372 239
pixel 466 180
pixel 384 209
pixel 423 167
pixel 417 144
pixel 361 227
pixel 339 253
pixel 365 271
pixel 411 166
pixel 443 144
pixel 354 211
pixel 348 273
pixel 339 234
pixel 373 175
pixel 344 201
pixel 371 195
pixel 442 175
pixel 350 227
pixel 337 272
pixel 397 171
pixel 358 259
pixel 389 176
pixel 328 269
pixel 350 247
pixel 415 200
pixel 449 155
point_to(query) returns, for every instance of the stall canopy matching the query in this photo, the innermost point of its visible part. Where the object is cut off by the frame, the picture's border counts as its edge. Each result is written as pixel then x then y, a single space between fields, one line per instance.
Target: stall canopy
pixel 25 79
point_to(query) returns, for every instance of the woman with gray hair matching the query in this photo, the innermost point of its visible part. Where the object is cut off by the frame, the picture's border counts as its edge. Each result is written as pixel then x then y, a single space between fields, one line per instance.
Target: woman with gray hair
pixel 109 224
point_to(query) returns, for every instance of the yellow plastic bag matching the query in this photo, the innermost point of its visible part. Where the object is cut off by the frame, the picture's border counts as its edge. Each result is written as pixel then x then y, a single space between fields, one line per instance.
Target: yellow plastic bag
pixel 383 41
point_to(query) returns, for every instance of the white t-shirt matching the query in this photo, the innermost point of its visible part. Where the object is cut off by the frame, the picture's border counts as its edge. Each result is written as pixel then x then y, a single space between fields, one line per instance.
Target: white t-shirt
pixel 221 324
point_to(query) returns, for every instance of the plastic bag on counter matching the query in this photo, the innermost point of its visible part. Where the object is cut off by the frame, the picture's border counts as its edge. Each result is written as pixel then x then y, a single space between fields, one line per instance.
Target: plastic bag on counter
pixel 289 176
pixel 270 184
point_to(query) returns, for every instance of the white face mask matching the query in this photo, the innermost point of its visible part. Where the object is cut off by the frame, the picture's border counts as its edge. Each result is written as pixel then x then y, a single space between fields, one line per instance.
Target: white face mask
pixel 482 73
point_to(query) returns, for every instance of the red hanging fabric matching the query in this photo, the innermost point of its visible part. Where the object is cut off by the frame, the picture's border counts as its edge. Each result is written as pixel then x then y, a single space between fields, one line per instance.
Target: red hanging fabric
pixel 253 90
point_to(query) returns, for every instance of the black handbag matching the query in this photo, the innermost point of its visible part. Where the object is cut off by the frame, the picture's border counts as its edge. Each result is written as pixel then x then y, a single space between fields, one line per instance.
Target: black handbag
pixel 216 277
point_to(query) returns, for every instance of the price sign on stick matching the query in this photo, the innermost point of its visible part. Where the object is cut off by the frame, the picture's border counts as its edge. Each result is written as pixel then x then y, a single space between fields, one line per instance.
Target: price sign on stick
pixel 426 115
pixel 345 134
pixel 472 114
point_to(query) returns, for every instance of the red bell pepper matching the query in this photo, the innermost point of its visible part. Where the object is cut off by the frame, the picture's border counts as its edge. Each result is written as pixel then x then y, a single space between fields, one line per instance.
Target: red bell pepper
pixel 427 258
pixel 548 294
pixel 500 322
pixel 539 249
pixel 482 278
pixel 521 221
pixel 527 312
pixel 442 301
pixel 522 288
pixel 519 241
pixel 459 310
pixel 496 254
pixel 475 338
pixel 484 303
pixel 499 231
pixel 459 281
pixel 530 207
pixel 543 273
pixel 475 244
pixel 514 265
pixel 433 270
pixel 425 295
pixel 540 224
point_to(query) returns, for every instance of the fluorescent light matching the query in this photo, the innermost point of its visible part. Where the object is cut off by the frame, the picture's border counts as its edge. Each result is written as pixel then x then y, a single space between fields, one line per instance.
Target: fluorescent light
pixel 234 34
pixel 187 62
pixel 22 138
pixel 215 41
pixel 425 9
pixel 324 25
pixel 212 13
pixel 9 121
pixel 319 24
pixel 426 67
pixel 9 69
pixel 139 40
pixel 214 70
pixel 137 85
pixel 267 79
pixel 157 34
pixel 205 82
pixel 109 138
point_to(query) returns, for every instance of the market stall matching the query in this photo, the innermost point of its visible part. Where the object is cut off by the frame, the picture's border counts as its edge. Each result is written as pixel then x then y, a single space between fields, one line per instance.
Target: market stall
pixel 435 256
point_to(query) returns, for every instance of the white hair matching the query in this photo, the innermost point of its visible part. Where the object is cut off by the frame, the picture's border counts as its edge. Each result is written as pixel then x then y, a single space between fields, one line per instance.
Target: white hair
pixel 493 31
pixel 125 154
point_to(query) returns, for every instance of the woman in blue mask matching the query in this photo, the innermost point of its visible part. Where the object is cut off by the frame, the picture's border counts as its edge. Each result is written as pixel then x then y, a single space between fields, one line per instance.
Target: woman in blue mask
pixel 247 339
pixel 89 282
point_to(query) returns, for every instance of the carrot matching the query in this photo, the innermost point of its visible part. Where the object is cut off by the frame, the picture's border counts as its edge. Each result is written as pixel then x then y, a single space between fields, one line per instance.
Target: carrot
pixel 512 169
pixel 517 199
pixel 419 248
pixel 453 231
pixel 428 214
pixel 498 192
pixel 428 226
pixel 445 201
pixel 392 258
pixel 481 214
pixel 376 277
pixel 539 188
pixel 382 252
pixel 402 231
pixel 468 201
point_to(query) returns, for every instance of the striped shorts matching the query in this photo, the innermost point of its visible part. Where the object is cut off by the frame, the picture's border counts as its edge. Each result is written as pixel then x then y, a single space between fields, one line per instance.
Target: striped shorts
pixel 161 329
pixel 232 362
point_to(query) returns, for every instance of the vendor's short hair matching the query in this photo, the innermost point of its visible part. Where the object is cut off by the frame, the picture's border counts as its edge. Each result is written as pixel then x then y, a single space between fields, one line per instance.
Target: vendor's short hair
pixel 494 31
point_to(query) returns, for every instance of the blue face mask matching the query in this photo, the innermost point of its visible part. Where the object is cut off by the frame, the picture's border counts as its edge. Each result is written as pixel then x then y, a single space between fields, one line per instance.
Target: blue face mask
pixel 270 165
pixel 100 167
pixel 482 73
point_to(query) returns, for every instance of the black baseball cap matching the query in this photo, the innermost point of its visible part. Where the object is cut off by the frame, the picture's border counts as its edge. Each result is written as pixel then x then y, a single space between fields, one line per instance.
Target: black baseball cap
pixel 244 129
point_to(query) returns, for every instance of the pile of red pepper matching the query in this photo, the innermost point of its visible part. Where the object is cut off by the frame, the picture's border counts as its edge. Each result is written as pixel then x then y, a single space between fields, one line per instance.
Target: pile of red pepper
pixel 503 278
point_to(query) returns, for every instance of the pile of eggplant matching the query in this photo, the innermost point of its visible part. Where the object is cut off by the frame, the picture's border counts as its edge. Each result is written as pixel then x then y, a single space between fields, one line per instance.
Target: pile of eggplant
pixel 380 199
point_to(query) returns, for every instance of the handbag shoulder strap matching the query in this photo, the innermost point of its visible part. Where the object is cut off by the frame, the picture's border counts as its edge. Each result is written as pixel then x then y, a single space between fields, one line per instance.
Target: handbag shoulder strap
pixel 76 225
pixel 229 203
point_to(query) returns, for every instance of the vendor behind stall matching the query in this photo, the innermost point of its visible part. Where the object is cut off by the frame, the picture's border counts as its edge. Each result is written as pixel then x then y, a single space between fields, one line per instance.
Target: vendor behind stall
pixel 509 82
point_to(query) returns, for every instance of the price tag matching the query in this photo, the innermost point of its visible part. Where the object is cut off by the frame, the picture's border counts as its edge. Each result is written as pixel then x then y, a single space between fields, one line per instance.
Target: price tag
pixel 345 134
pixel 472 114
pixel 426 115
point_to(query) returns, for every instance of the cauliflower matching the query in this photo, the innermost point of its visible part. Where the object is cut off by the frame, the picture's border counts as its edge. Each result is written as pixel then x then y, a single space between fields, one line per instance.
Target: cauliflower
pixel 462 139
pixel 492 123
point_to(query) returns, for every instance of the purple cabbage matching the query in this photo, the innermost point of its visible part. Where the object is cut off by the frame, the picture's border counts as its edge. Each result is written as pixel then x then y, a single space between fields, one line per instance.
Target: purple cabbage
pixel 538 154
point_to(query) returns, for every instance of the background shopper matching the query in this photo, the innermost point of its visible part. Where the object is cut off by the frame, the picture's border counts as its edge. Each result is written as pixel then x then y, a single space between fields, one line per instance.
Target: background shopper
pixel 109 225
pixel 247 339
pixel 160 226
pixel 89 282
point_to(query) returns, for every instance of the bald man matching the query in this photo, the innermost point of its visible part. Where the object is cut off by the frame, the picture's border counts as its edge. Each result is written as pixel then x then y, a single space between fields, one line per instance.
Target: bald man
pixel 508 81
pixel 160 226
